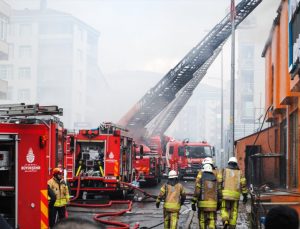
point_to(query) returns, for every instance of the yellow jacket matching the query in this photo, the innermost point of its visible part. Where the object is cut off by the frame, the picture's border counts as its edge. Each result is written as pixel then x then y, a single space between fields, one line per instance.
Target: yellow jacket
pixel 234 183
pixel 174 196
pixel 61 192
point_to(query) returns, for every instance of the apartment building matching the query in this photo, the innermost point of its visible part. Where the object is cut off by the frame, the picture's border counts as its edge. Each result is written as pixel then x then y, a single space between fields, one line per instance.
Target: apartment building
pixel 53 60
pixel 4 48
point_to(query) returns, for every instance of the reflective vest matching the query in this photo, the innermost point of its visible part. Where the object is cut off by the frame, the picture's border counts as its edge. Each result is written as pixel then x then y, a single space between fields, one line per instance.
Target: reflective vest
pixel 216 172
pixel 172 196
pixel 231 184
pixel 206 192
pixel 61 192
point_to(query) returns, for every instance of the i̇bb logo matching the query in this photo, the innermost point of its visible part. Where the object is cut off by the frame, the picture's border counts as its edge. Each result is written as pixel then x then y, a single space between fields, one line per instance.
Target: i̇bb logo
pixel 30 156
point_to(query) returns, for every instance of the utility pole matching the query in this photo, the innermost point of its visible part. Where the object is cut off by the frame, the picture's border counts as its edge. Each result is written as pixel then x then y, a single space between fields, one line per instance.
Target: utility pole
pixel 222 112
pixel 232 83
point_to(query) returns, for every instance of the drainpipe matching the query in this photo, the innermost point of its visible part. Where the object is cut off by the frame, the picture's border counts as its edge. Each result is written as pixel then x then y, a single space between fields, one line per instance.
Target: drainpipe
pixel 287 145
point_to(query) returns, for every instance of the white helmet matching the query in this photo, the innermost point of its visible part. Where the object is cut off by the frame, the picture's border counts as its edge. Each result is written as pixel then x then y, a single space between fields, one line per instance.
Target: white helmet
pixel 232 160
pixel 207 160
pixel 172 174
pixel 207 168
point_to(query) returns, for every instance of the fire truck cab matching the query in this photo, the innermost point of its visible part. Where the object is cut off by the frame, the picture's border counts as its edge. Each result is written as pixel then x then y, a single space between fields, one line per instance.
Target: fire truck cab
pixel 186 157
pixel 99 159
pixel 31 145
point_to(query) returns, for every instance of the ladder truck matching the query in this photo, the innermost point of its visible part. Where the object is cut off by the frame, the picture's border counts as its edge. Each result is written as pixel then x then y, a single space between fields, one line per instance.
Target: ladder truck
pixel 98 160
pixel 31 145
pixel 157 109
pixel 186 157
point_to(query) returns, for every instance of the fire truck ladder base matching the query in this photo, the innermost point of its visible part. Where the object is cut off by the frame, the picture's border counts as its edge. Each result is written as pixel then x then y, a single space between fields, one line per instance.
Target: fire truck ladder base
pixel 14 110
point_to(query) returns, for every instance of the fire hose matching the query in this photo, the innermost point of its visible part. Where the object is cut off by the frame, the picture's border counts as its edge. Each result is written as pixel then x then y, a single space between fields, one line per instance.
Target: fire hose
pixel 118 225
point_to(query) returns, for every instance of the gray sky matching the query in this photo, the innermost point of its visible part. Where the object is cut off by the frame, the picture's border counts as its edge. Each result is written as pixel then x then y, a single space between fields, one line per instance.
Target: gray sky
pixel 152 36
pixel 147 35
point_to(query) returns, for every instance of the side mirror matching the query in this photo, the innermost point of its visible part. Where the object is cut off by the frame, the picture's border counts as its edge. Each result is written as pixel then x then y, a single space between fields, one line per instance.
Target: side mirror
pixel 213 151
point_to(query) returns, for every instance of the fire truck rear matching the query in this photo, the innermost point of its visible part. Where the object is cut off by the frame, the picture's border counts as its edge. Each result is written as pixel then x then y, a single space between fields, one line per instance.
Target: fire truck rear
pixel 147 165
pixel 186 157
pixel 31 145
pixel 98 159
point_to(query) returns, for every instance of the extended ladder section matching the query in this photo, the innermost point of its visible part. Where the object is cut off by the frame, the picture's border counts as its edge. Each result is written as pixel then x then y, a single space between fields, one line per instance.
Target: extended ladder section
pixel 161 122
pixel 14 110
pixel 164 92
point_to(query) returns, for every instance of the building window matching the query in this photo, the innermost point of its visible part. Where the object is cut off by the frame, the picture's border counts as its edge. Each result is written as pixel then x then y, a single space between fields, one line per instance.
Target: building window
pixel 294 149
pixel 25 51
pixel 23 94
pixel 24 73
pixel 11 51
pixel 5 72
pixel 25 30
pixel 79 76
pixel 79 56
pixel 3 28
pixel 9 93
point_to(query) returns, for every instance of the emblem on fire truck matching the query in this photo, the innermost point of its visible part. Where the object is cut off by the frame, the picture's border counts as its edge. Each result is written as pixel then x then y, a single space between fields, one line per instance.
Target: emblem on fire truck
pixel 30 156
pixel 30 167
pixel 111 155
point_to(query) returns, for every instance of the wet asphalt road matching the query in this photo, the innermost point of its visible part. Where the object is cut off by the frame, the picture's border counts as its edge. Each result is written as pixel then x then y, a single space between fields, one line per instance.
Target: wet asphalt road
pixel 147 215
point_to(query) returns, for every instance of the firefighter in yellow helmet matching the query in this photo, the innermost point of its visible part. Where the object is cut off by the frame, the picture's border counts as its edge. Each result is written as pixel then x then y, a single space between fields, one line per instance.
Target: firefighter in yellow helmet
pixel 234 183
pixel 174 196
pixel 62 197
pixel 206 194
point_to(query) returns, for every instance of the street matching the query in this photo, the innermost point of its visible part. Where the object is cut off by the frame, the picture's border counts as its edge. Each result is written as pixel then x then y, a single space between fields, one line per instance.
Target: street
pixel 147 215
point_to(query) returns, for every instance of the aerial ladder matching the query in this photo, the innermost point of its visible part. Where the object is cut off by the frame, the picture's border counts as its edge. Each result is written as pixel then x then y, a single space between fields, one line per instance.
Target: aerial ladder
pixel 185 72
pixel 159 125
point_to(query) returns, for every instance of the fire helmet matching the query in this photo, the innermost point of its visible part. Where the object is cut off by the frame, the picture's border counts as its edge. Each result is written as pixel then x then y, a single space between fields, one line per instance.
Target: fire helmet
pixel 207 168
pixel 56 171
pixel 207 160
pixel 232 160
pixel 172 174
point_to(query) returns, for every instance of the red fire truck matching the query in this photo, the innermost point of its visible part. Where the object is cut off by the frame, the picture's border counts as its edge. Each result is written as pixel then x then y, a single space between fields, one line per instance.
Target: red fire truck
pixel 147 165
pixel 186 157
pixel 97 159
pixel 31 145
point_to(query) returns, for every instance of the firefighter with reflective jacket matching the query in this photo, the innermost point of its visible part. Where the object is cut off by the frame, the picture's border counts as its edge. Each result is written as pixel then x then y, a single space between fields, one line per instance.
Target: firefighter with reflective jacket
pixel 174 196
pixel 62 197
pixel 206 194
pixel 216 172
pixel 234 183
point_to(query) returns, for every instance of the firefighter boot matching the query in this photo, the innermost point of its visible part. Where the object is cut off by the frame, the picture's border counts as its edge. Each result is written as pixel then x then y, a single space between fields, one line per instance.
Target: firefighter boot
pixel 225 224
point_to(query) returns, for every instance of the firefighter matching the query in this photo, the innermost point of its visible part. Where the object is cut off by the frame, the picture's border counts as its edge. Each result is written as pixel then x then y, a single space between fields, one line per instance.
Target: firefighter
pixel 233 184
pixel 216 172
pixel 207 196
pixel 62 196
pixel 174 196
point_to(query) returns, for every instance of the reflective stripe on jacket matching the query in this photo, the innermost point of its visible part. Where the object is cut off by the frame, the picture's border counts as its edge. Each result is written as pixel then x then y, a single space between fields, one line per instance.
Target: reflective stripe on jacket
pixel 61 192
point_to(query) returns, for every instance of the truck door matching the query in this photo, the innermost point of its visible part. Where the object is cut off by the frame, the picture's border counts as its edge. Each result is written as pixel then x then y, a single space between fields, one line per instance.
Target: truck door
pixel 8 178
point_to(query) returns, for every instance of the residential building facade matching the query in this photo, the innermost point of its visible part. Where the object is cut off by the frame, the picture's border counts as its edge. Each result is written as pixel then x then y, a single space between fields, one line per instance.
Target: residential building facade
pixel 54 61
pixel 273 154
